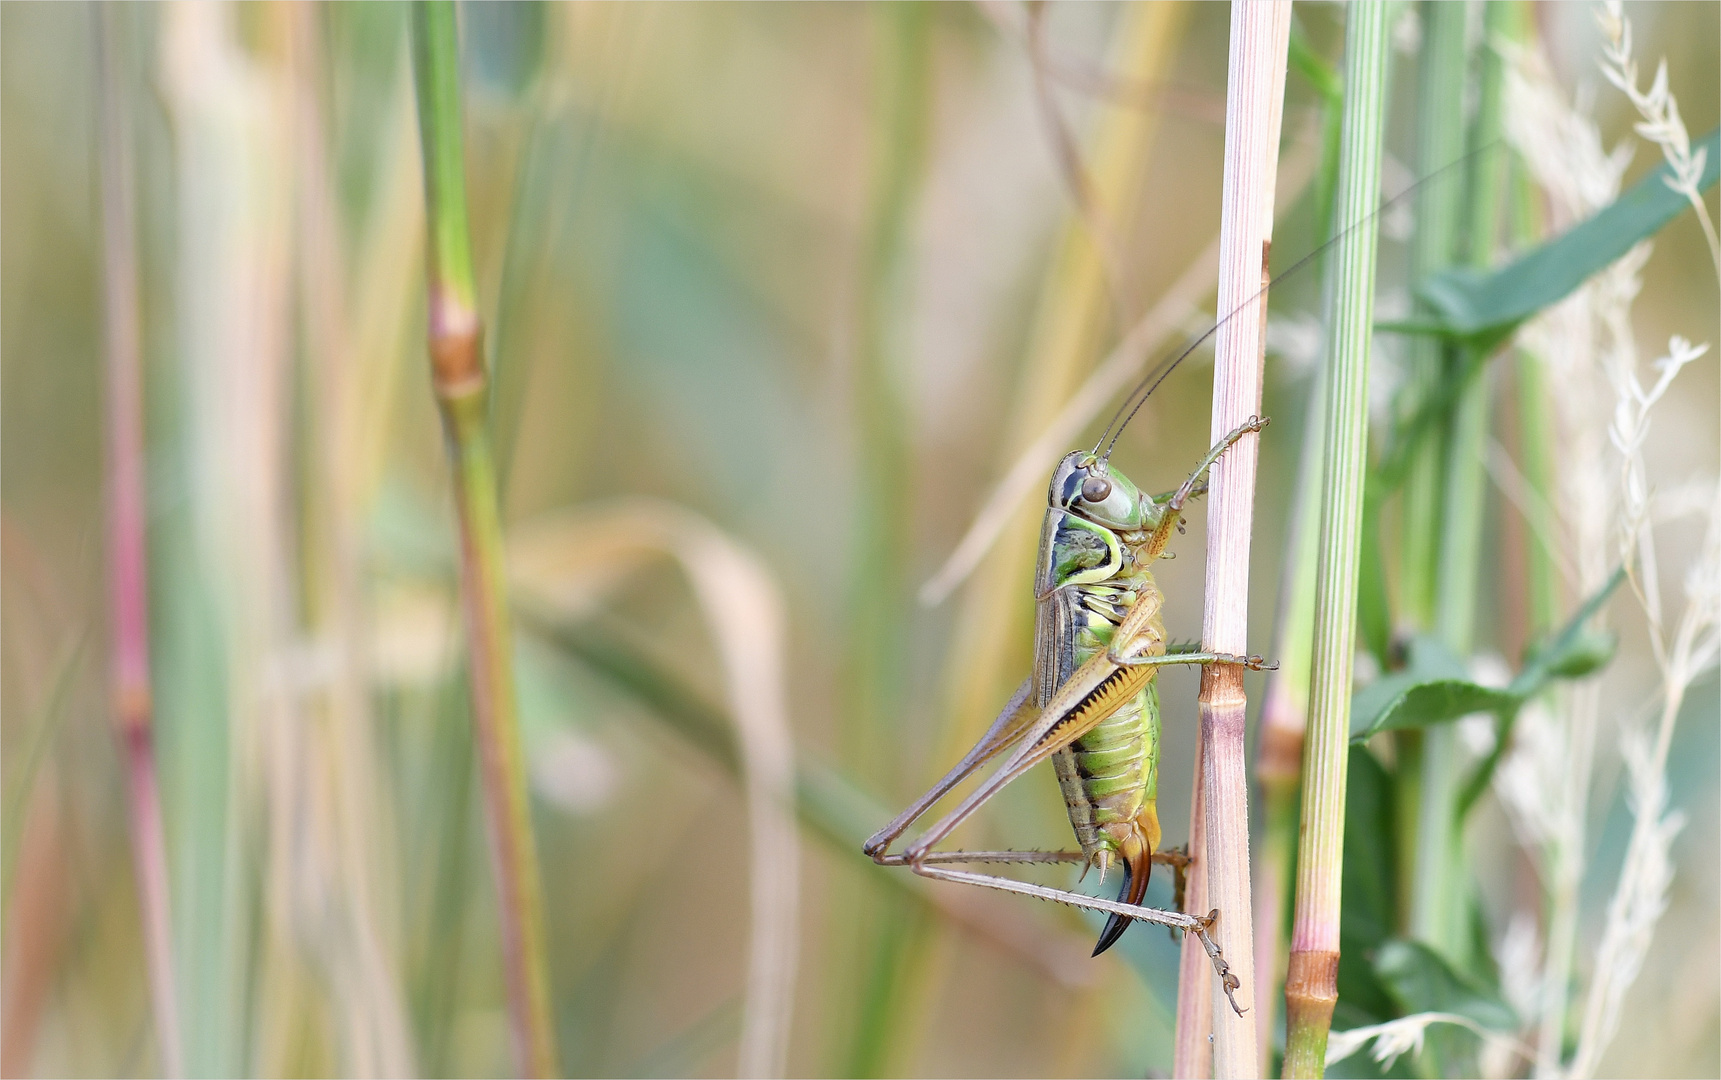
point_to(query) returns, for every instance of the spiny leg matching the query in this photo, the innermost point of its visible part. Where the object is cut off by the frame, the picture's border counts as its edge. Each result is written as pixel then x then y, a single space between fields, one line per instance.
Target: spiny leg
pixel 1174 505
pixel 1253 663
pixel 1181 495
pixel 1199 925
pixel 1004 730
pixel 1179 861
pixel 997 857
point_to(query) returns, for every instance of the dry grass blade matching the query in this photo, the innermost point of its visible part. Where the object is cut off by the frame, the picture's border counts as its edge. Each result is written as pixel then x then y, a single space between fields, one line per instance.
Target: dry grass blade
pixel 1121 367
pixel 232 293
pixel 334 688
pixel 565 561
pixel 1028 474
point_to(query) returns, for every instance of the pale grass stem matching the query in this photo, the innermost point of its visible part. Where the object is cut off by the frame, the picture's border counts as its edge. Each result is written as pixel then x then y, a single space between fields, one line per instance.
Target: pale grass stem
pixel 1260 39
pixel 1192 1050
pixel 337 725
pixel 1311 982
pixel 127 514
pixel 223 568
pixel 460 381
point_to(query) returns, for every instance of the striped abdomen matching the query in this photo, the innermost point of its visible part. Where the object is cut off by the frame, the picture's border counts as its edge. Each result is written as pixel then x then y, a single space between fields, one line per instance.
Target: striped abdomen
pixel 1110 776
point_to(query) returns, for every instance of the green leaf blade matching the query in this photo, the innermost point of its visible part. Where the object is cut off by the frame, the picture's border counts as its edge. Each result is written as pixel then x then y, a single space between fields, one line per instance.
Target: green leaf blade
pixel 1472 304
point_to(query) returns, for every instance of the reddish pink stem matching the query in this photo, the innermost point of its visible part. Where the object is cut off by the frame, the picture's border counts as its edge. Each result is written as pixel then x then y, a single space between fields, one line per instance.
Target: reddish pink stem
pixel 127 560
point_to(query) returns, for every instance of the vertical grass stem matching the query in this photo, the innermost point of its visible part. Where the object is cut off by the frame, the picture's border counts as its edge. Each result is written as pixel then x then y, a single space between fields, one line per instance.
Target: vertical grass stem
pixel 1439 142
pixel 128 567
pixel 1311 984
pixel 460 381
pixel 1439 908
pixel 1260 40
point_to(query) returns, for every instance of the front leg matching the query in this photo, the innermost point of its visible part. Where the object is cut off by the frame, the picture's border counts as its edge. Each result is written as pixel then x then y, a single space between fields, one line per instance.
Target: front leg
pixel 1173 506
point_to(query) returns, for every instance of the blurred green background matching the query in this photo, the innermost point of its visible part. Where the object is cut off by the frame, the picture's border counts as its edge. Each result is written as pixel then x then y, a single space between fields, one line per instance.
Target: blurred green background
pixel 787 266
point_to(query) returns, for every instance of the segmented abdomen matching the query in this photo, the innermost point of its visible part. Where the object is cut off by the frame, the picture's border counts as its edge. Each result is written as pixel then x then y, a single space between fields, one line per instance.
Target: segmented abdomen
pixel 1111 775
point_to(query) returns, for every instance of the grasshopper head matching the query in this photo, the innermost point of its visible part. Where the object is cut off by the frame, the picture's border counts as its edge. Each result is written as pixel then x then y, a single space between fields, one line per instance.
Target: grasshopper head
pixel 1089 488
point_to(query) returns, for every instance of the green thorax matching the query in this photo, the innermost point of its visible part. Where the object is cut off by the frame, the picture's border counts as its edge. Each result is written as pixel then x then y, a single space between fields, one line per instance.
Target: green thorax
pixel 1091 572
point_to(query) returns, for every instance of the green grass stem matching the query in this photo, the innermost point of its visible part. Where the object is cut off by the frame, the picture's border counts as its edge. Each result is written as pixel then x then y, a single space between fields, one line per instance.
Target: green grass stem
pixel 1439 142
pixel 1311 985
pixel 1437 905
pixel 461 385
pixel 878 587
pixel 1284 713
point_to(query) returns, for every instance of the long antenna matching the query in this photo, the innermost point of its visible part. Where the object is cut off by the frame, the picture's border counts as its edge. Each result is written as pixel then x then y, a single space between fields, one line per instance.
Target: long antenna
pixel 1150 382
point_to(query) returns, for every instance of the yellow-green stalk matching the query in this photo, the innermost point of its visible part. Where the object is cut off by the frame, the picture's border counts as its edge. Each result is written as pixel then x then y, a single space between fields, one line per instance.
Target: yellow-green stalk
pixel 461 384
pixel 1311 983
pixel 1438 905
pixel 127 515
pixel 1439 143
pixel 1284 713
pixel 893 943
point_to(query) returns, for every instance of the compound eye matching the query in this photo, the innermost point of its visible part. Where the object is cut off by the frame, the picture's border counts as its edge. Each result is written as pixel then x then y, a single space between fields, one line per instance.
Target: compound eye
pixel 1096 489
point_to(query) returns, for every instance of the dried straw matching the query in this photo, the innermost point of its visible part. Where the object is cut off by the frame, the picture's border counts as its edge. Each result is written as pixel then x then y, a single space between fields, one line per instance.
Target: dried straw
pixel 1260 38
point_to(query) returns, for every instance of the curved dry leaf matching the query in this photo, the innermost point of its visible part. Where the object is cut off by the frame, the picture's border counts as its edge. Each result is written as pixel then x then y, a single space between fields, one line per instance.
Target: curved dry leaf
pixel 1119 369
pixel 1108 380
pixel 566 561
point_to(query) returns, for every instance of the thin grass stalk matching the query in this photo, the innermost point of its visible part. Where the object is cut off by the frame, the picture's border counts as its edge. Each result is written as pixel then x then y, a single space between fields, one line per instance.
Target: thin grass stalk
pixel 362 971
pixel 461 385
pixel 1534 407
pixel 1284 713
pixel 893 946
pixel 1284 726
pixel 1192 1051
pixel 1440 908
pixel 1439 142
pixel 1311 983
pixel 36 918
pixel 1260 40
pixel 1534 416
pixel 127 516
